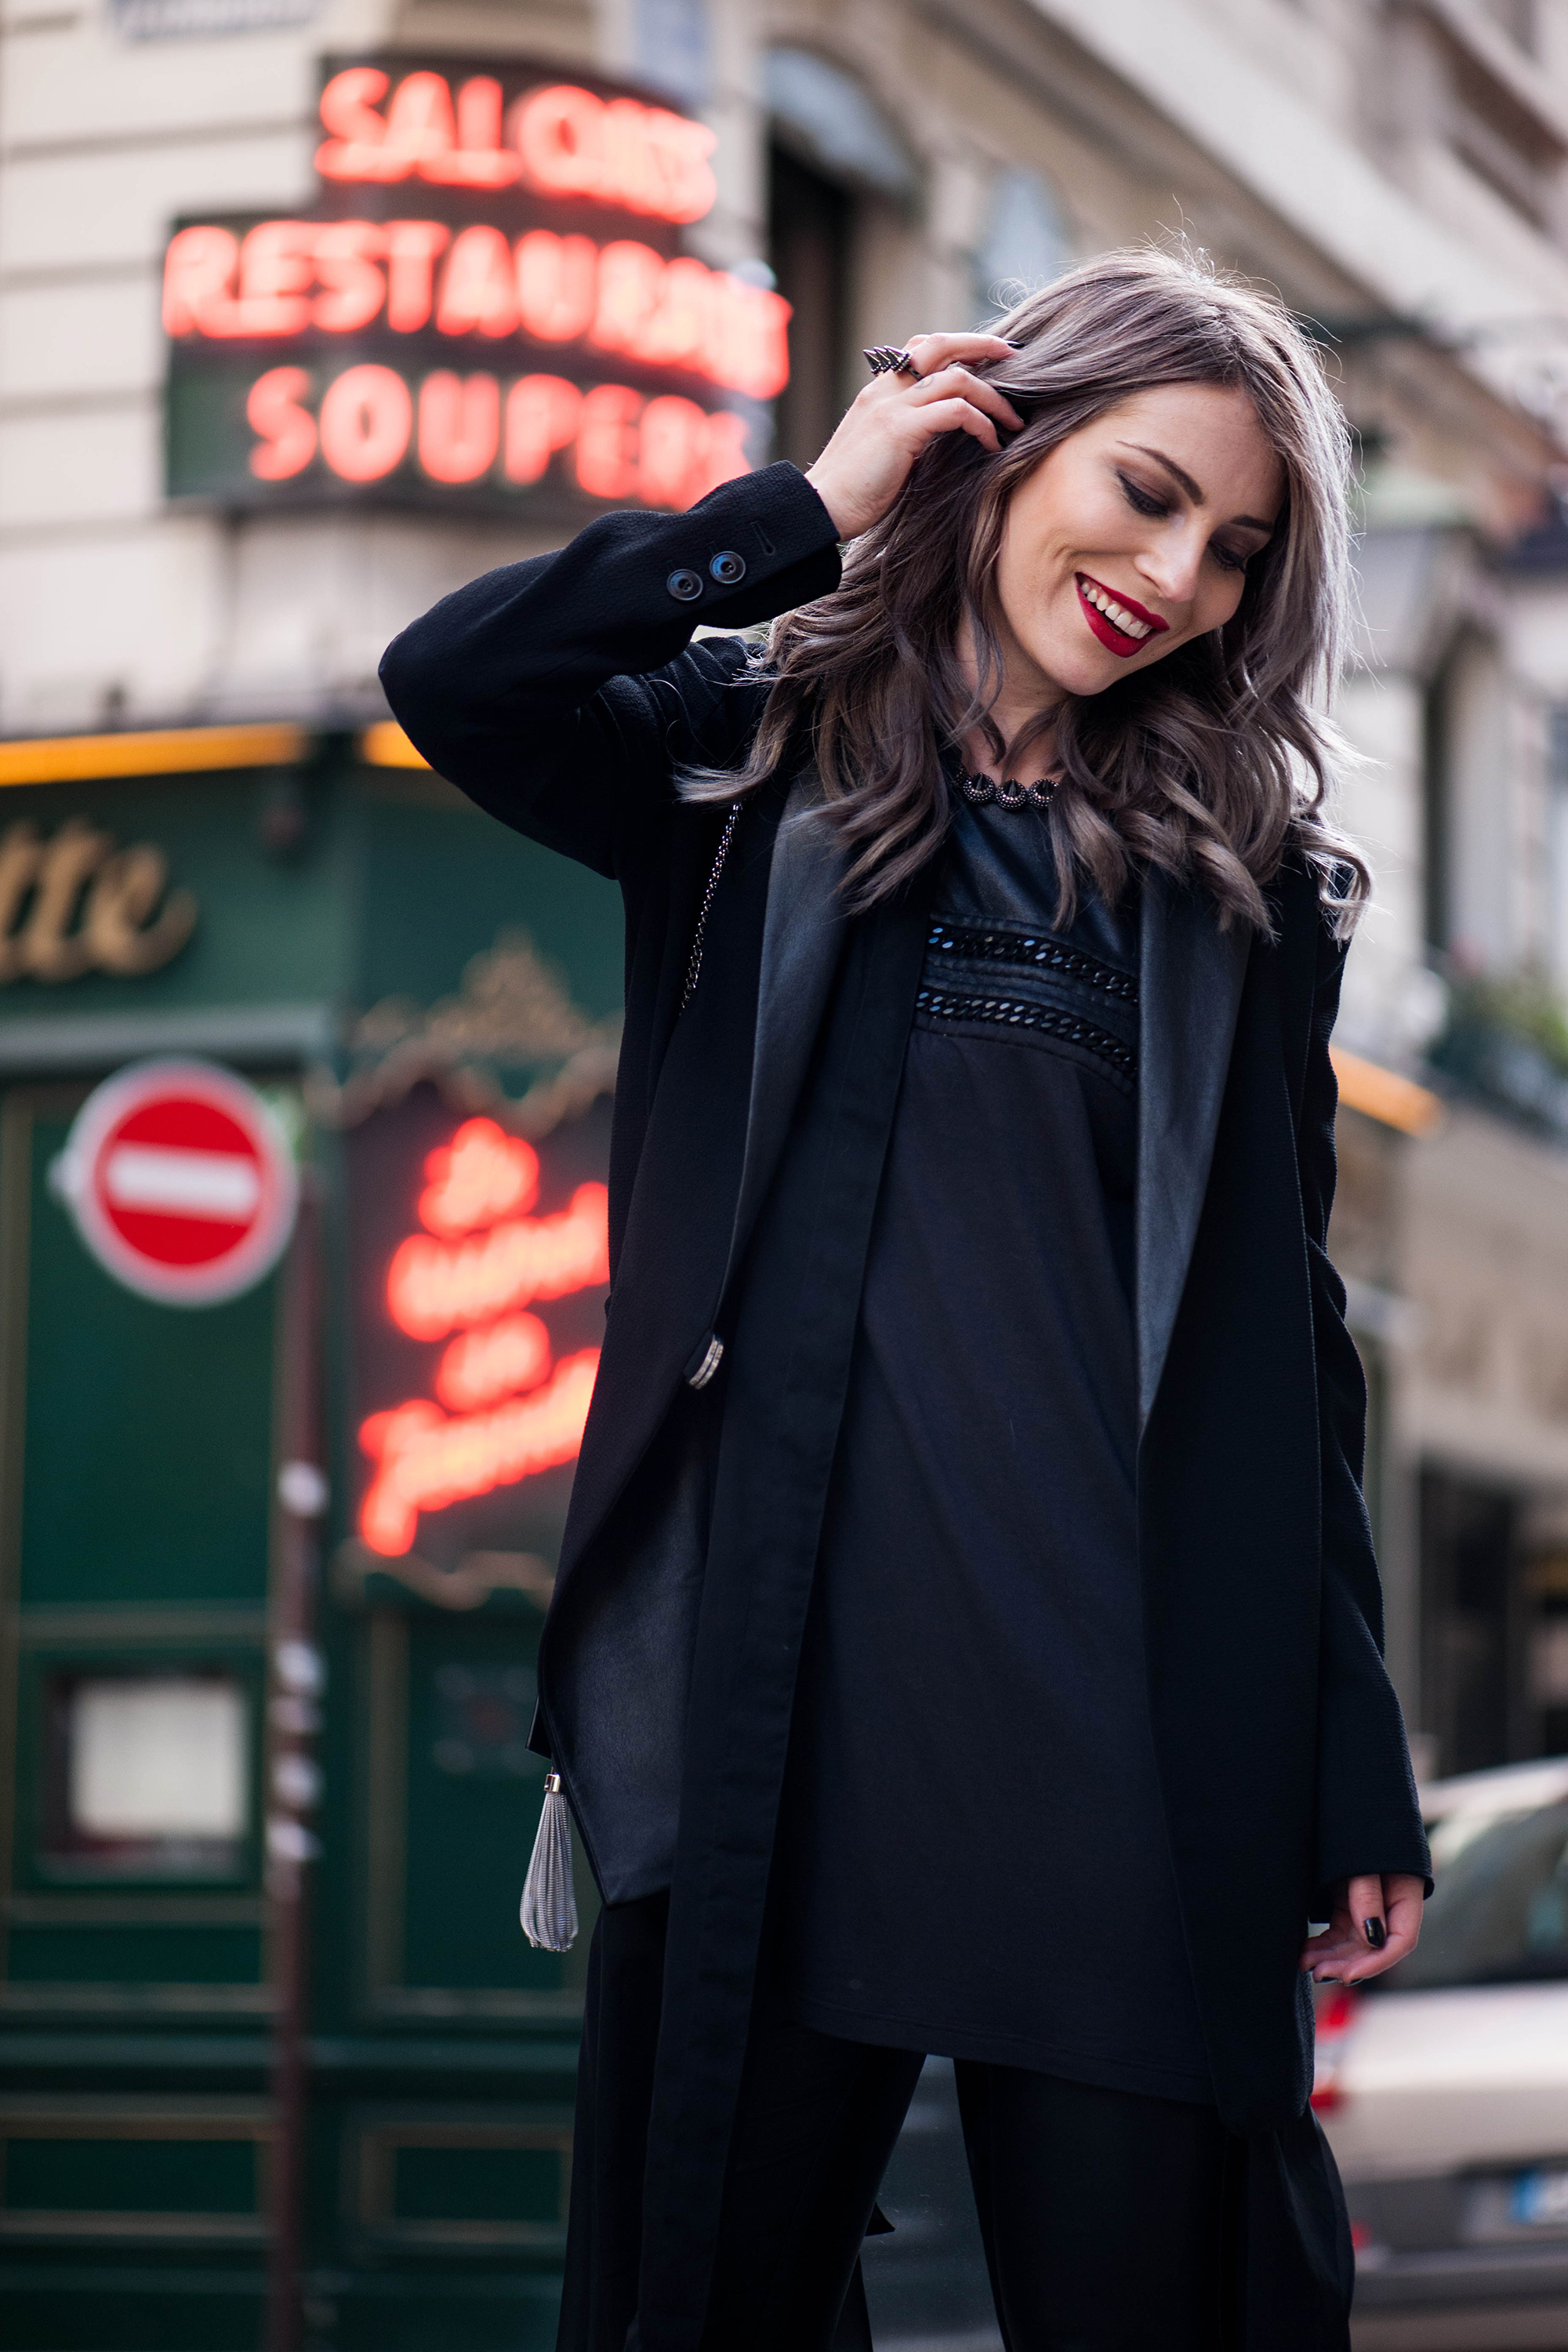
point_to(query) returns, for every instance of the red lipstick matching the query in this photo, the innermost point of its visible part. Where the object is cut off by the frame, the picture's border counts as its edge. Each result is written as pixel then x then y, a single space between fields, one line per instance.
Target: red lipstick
pixel 1116 640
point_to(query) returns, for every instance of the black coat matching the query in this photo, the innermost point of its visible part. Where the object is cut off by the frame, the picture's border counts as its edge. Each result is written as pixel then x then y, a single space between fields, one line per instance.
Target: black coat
pixel 560 693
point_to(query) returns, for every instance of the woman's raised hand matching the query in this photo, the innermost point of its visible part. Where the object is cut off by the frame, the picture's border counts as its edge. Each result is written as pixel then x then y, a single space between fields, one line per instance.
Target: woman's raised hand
pixel 883 431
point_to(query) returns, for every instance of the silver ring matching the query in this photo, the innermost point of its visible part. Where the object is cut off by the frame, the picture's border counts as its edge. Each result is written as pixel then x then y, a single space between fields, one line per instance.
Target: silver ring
pixel 888 359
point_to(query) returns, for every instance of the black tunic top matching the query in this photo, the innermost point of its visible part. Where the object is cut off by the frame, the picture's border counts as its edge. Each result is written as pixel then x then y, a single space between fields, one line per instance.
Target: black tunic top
pixel 974 1861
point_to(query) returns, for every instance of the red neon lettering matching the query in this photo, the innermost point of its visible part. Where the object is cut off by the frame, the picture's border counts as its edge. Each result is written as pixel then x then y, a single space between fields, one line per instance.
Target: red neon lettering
pixel 677 176
pixel 459 425
pixel 433 1288
pixel 542 413
pixel 357 149
pixel 557 289
pixel 566 141
pixel 419 135
pixel 681 332
pixel 288 432
pixel 606 463
pixel 413 248
pixel 641 157
pixel 482 1175
pixel 426 1461
pixel 625 298
pixel 672 453
pixel 198 275
pixel 479 160
pixel 277 268
pixel 511 1415
pixel 748 348
pixel 479 287
pixel 727 459
pixel 479 117
pixel 631 167
pixel 419 125
pixel 666 452
pixel 352 288
pixel 630 276
pixel 367 417
pixel 558 134
pixel 478 1367
pixel 681 314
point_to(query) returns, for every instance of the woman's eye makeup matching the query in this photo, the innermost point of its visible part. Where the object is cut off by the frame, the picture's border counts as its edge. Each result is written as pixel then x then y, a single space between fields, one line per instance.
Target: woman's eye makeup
pixel 1149 502
pixel 1142 501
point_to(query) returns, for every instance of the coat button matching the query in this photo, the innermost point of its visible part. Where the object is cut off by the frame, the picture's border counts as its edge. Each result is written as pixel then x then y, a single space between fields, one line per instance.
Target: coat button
pixel 684 586
pixel 727 567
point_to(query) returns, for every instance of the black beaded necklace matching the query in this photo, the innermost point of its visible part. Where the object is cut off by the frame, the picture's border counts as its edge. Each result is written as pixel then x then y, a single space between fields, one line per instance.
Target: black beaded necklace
pixel 979 790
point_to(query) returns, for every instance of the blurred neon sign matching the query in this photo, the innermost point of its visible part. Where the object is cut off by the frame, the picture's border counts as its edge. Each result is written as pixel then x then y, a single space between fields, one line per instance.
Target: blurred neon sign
pixel 563 141
pixel 664 452
pixel 560 344
pixel 437 1286
pixel 341 277
pixel 504 1407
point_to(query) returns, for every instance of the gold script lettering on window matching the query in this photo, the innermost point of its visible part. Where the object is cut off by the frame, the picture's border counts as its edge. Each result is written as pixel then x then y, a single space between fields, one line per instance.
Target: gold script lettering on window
pixel 77 903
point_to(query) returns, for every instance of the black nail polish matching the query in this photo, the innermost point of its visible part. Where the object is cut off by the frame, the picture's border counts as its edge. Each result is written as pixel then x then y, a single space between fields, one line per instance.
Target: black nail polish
pixel 1375 1932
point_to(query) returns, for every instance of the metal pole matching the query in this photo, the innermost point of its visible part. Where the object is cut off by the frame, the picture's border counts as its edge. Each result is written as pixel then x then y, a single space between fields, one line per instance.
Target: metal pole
pixel 296 1680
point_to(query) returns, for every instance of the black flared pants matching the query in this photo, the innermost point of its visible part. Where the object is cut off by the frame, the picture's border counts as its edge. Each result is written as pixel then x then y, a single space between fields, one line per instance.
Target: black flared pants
pixel 1108 2219
pixel 1110 2222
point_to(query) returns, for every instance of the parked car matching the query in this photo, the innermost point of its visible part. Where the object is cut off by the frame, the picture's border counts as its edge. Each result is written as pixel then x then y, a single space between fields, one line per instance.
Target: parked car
pixel 1443 2086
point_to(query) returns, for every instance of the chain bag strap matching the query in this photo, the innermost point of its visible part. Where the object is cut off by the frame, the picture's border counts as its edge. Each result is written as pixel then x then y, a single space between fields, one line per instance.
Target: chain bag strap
pixel 694 968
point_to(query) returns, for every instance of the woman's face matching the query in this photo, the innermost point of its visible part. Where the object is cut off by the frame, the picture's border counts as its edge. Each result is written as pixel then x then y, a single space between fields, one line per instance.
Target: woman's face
pixel 1133 537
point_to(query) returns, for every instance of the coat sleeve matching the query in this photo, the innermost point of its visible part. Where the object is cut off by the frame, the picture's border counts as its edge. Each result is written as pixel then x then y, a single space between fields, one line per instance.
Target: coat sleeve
pixel 559 693
pixel 1368 1815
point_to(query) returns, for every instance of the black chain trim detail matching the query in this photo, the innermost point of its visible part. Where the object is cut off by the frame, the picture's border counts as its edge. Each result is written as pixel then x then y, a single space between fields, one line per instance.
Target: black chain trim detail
pixel 1036 948
pixel 942 1005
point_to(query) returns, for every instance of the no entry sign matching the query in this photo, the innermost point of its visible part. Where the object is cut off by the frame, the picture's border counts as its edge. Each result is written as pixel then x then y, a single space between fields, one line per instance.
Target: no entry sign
pixel 181 1181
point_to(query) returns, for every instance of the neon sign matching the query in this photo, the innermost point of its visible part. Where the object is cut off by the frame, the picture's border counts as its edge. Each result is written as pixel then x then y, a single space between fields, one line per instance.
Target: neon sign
pixel 558 349
pixel 563 141
pixel 342 276
pixel 505 1407
pixel 667 452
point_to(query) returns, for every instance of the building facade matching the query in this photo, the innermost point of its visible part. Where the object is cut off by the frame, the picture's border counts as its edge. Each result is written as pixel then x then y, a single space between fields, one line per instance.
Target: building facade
pixel 310 311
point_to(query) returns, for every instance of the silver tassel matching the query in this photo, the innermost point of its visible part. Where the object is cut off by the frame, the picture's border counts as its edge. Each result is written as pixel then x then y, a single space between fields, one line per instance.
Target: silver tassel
pixel 549 1906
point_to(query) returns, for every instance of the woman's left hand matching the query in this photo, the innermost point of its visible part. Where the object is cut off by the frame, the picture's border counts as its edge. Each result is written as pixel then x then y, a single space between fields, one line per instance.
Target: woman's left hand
pixel 897 415
pixel 1348 1951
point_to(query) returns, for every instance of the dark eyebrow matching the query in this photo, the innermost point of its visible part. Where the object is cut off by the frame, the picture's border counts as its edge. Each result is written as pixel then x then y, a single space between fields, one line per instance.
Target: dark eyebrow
pixel 1179 475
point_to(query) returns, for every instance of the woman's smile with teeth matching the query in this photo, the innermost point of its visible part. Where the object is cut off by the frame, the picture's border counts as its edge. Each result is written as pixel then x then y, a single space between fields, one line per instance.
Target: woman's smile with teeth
pixel 1132 624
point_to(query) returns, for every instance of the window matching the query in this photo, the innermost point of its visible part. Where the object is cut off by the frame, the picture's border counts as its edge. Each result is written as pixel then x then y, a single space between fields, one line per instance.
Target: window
pixel 147 1775
pixel 1473 1623
pixel 835 158
pixel 810 224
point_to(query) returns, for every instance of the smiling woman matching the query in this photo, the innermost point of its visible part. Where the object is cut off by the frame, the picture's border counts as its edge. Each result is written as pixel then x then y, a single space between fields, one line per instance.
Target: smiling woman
pixel 1141 436
pixel 966 1638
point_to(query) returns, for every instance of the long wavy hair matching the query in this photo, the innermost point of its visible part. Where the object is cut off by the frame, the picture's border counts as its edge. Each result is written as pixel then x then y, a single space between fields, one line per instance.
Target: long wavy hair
pixel 1213 764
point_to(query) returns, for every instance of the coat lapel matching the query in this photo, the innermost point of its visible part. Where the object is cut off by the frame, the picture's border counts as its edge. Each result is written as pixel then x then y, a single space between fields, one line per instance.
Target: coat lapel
pixel 676 1268
pixel 1189 994
pixel 802 932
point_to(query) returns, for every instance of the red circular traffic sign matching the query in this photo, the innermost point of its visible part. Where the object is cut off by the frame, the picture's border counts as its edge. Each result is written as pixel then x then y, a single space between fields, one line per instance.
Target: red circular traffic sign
pixel 181 1181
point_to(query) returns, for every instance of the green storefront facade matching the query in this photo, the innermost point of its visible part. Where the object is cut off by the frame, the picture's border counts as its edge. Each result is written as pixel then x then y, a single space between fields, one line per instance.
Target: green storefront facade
pixel 385 966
